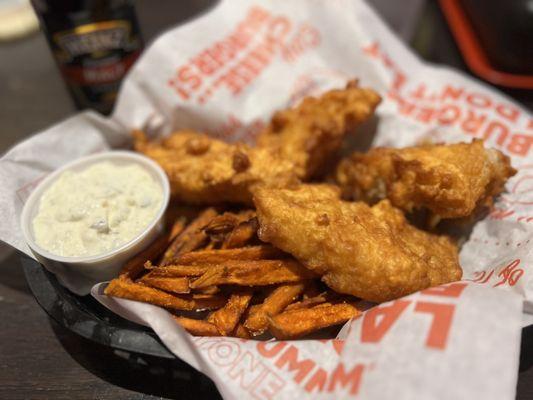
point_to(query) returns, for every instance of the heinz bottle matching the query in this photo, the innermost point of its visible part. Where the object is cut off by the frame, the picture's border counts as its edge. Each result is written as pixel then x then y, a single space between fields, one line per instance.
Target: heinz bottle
pixel 94 43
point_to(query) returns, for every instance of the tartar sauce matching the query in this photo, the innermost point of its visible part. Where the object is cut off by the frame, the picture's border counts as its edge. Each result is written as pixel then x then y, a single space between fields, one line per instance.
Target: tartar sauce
pixel 96 210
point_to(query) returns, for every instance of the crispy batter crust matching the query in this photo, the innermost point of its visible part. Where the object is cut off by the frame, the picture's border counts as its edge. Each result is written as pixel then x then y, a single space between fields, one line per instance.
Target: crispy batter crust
pixel 368 252
pixel 452 181
pixel 313 131
pixel 203 170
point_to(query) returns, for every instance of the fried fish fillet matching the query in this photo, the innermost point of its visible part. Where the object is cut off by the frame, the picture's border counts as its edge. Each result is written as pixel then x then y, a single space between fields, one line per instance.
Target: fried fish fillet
pixel 312 132
pixel 293 147
pixel 368 252
pixel 202 170
pixel 452 181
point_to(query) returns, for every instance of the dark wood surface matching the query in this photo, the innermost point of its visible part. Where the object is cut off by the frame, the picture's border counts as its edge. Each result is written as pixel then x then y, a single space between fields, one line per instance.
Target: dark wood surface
pixel 38 358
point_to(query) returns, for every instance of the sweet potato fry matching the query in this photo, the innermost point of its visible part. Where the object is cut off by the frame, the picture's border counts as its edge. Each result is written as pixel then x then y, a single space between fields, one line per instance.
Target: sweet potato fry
pixel 134 291
pixel 253 273
pixel 275 303
pixel 135 266
pixel 177 227
pixel 176 271
pixel 297 323
pixel 168 284
pixel 206 294
pixel 262 252
pixel 227 317
pixel 241 332
pixel 221 224
pixel 197 327
pixel 191 237
pixel 241 235
pixel 307 303
pixel 208 290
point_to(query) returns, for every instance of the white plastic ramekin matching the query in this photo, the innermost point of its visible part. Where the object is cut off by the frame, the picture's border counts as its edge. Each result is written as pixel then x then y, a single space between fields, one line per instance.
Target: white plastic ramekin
pixel 102 267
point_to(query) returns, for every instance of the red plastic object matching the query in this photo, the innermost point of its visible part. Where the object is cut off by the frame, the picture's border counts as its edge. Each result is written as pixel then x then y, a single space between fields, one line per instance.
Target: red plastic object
pixel 474 54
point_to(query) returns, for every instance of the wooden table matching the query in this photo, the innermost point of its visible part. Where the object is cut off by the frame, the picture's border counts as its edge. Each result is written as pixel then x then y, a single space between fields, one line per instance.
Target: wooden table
pixel 38 358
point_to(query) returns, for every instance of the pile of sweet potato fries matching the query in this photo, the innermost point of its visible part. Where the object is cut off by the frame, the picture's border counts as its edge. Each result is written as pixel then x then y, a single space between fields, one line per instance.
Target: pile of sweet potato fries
pixel 217 279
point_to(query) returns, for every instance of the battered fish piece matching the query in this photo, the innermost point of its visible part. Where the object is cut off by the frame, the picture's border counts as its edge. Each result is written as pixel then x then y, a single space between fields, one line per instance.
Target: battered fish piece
pixel 452 181
pixel 311 133
pixel 202 170
pixel 296 144
pixel 368 252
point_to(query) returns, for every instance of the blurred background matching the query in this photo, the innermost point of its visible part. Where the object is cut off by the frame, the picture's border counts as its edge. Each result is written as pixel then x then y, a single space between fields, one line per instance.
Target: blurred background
pixel 33 94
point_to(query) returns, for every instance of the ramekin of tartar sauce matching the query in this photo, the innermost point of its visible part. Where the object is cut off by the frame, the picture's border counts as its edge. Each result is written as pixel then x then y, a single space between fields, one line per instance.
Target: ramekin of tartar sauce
pixel 93 214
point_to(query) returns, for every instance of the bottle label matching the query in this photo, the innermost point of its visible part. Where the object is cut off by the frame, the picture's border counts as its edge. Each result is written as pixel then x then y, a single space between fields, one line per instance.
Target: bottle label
pixel 96 38
pixel 94 58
